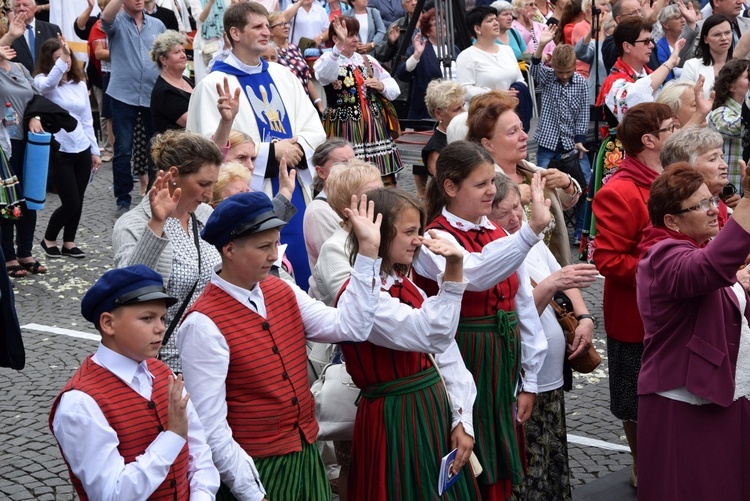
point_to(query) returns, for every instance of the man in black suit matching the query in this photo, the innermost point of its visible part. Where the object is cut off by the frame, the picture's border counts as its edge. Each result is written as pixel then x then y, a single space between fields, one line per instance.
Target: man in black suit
pixel 37 32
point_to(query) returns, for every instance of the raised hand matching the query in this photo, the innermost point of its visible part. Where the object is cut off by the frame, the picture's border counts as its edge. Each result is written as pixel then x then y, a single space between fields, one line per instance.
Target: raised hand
pixel 341 32
pixel 419 45
pixel 464 443
pixel 17 26
pixel 63 44
pixel 162 203
pixel 443 247
pixel 177 420
pixel 688 12
pixel 675 57
pixel 228 103
pixel 286 179
pixel 365 224
pixel 393 33
pixel 540 213
pixel 547 35
pixel 6 52
pixel 454 256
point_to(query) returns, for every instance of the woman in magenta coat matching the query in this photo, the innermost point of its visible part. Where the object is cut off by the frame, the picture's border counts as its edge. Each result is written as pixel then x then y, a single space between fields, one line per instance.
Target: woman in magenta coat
pixel 695 376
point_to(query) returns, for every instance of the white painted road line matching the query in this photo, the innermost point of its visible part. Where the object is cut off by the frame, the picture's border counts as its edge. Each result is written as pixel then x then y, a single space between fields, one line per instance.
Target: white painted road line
pixel 592 442
pixel 63 332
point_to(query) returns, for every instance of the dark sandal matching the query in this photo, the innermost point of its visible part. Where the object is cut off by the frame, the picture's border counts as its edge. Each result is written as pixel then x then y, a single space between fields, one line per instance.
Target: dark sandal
pixel 35 267
pixel 15 271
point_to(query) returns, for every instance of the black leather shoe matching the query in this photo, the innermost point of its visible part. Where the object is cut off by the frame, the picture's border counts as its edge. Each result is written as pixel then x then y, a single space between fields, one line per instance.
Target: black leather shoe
pixel 73 252
pixel 53 251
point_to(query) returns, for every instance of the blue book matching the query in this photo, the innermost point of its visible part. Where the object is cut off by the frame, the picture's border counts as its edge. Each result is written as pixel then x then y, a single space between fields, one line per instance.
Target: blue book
pixel 447 478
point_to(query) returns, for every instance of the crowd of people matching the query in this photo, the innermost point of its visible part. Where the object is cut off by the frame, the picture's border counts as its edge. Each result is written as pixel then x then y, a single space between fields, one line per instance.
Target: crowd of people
pixel 271 226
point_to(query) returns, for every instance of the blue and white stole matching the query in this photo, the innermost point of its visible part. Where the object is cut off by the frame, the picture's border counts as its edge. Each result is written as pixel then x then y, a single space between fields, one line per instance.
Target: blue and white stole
pixel 273 123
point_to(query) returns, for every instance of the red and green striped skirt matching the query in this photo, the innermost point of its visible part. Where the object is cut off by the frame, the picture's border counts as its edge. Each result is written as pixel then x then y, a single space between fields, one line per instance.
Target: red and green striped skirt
pixel 368 135
pixel 401 433
pixel 491 349
pixel 297 476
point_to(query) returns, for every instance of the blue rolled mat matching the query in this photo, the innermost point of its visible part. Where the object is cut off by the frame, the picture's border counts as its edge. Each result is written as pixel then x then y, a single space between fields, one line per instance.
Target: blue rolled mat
pixel 35 167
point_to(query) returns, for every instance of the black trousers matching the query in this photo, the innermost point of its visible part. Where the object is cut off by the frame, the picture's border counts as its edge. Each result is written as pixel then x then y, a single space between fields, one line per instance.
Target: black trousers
pixel 70 173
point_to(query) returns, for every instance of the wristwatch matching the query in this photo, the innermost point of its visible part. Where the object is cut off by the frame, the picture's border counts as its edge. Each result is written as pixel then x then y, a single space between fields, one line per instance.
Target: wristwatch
pixel 590 317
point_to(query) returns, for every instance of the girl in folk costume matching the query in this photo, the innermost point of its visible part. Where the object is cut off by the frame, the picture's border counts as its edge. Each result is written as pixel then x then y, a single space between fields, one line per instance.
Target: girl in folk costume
pixel 358 91
pixel 497 303
pixel 407 418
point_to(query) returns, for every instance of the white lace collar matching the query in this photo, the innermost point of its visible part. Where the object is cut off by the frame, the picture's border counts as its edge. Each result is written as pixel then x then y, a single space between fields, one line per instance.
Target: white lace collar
pixel 464 225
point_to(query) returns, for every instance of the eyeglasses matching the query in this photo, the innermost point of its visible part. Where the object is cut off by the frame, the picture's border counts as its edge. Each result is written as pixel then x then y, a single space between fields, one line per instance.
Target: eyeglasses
pixel 703 205
pixel 723 34
pixel 629 14
pixel 285 23
pixel 669 128
pixel 646 41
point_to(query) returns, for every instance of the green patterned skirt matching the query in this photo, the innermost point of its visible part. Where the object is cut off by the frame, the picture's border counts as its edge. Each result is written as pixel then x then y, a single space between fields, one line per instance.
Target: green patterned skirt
pixel 401 433
pixel 297 476
pixel 491 349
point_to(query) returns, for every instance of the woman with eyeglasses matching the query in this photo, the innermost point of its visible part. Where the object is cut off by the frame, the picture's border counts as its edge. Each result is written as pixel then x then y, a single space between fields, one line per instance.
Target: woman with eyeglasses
pixel 529 28
pixel 291 57
pixel 631 82
pixel 621 217
pixel 714 49
pixel 726 118
pixel 702 149
pixel 695 371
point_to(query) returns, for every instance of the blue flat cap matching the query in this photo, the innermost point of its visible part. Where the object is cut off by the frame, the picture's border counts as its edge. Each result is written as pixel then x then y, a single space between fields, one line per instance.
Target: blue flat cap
pixel 121 287
pixel 240 215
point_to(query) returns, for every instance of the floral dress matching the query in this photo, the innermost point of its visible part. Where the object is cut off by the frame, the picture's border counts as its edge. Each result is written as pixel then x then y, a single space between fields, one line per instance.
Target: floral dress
pixel 356 112
pixel 292 58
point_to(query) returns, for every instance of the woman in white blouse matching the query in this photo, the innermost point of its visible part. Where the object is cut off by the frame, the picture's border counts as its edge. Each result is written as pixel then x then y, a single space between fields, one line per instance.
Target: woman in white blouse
pixel 713 51
pixel 60 79
pixel 486 66
pixel 546 433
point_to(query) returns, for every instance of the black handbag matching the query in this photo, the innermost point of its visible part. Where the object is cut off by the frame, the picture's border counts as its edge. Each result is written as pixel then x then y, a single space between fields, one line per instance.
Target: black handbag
pixel 570 164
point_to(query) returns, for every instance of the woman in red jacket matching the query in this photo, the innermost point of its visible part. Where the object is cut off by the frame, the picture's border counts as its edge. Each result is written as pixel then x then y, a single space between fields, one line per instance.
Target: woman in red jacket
pixel 621 216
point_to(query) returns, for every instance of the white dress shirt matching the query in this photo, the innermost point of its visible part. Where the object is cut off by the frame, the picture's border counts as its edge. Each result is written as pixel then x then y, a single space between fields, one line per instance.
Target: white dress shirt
pixel 205 360
pixel 485 269
pixel 74 97
pixel 328 65
pixel 430 329
pixel 89 444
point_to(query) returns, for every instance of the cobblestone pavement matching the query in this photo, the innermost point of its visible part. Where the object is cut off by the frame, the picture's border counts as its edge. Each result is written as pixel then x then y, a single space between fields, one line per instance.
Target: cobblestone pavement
pixel 31 466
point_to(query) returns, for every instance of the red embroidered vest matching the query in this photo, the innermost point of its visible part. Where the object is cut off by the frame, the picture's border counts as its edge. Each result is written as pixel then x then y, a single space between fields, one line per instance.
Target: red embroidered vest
pixel 370 364
pixel 475 303
pixel 136 420
pixel 268 394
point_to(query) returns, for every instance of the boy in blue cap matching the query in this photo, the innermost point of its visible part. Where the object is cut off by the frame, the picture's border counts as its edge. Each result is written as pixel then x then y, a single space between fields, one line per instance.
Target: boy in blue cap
pixel 243 353
pixel 124 424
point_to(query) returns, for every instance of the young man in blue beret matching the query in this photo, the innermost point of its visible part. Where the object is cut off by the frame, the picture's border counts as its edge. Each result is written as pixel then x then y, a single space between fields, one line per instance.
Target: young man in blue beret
pixel 242 347
pixel 124 424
